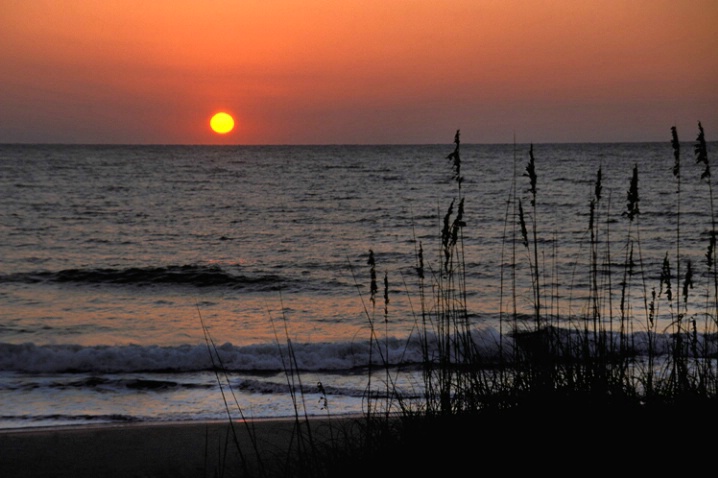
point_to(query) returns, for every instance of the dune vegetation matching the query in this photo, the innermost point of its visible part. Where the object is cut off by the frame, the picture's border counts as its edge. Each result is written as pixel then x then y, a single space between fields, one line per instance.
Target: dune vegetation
pixel 564 386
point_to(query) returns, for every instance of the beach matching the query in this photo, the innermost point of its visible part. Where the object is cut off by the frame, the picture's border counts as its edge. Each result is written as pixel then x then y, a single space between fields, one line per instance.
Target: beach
pixel 189 449
pixel 557 438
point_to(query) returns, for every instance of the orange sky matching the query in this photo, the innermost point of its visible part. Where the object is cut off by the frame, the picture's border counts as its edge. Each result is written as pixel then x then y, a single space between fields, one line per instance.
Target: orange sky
pixel 357 71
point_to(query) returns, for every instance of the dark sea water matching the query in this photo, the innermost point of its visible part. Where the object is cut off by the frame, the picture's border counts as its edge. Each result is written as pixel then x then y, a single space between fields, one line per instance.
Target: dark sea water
pixel 121 267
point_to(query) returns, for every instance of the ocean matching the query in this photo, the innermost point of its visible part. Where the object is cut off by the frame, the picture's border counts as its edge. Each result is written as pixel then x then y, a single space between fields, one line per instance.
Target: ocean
pixel 159 283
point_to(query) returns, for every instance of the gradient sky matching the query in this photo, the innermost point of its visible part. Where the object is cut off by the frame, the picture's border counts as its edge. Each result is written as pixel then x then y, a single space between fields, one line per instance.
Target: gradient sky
pixel 357 71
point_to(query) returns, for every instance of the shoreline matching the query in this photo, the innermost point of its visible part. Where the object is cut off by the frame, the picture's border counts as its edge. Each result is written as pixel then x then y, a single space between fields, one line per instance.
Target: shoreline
pixel 177 449
pixel 533 438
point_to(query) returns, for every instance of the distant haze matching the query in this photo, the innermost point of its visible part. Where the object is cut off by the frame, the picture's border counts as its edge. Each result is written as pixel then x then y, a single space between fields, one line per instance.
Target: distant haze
pixel 357 71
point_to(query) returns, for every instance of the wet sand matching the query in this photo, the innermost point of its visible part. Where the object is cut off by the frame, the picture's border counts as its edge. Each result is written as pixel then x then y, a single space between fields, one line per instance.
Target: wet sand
pixel 194 449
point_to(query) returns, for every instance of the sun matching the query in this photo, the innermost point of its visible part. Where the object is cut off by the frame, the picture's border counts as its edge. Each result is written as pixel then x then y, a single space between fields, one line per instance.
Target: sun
pixel 222 123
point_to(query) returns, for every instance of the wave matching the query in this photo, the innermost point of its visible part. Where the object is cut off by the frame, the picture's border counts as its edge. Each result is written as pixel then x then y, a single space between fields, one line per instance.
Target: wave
pixel 61 418
pixel 175 275
pixel 281 387
pixel 32 358
pixel 341 357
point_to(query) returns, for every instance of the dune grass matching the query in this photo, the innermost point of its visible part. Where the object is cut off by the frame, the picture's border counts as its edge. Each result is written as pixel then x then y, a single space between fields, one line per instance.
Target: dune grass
pixel 576 375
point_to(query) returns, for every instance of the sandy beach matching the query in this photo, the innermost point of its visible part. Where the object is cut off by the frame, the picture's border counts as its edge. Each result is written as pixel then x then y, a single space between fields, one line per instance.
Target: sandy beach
pixel 545 439
pixel 193 449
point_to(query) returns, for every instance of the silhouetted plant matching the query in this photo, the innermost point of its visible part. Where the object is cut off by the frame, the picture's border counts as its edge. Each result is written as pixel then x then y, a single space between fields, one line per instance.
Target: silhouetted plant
pixel 582 360
pixel 531 174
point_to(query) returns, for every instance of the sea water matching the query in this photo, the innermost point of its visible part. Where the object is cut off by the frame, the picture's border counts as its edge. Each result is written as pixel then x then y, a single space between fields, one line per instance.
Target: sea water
pixel 146 283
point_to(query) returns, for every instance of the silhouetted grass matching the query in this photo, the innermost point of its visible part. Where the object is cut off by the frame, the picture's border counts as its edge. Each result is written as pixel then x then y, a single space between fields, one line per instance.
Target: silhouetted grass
pixel 577 375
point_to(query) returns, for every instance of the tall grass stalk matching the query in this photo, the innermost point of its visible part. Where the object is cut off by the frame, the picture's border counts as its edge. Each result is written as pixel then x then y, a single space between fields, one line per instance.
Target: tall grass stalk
pixel 711 318
pixel 220 373
pixel 701 156
pixel 531 174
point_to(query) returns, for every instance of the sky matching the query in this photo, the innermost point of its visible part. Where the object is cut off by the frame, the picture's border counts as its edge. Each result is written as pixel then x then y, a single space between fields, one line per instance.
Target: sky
pixel 357 71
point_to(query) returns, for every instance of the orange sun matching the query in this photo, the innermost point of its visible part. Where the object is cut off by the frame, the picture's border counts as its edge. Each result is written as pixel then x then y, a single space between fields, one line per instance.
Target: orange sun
pixel 221 123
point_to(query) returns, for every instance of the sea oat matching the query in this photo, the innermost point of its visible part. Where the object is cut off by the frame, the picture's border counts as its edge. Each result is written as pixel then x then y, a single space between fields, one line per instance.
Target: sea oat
pixel 666 278
pixel 676 152
pixel 632 197
pixel 531 173
pixel 372 272
pixel 701 152
pixel 455 158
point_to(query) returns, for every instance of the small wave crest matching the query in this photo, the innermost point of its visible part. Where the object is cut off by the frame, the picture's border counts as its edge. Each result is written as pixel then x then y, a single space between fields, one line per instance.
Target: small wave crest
pixel 33 358
pixel 59 419
pixel 175 275
pixel 272 357
pixel 272 387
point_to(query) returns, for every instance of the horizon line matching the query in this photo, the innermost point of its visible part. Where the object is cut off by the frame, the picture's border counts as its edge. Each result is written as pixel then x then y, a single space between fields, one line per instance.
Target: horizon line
pixel 25 143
